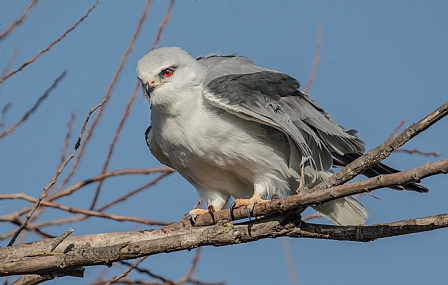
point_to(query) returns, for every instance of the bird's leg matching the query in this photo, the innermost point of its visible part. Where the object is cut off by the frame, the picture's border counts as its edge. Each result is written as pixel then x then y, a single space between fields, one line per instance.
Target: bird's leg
pixel 302 176
pixel 302 180
pixel 248 203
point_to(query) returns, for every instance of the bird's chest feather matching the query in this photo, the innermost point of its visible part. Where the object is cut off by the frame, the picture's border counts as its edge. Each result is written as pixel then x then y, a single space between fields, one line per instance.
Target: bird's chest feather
pixel 204 138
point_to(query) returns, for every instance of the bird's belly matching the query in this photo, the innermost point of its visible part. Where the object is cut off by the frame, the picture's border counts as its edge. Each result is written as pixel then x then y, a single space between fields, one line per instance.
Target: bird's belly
pixel 226 159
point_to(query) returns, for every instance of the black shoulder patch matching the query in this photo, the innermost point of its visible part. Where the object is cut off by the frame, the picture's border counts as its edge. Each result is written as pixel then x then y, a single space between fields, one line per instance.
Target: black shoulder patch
pixel 146 135
pixel 272 84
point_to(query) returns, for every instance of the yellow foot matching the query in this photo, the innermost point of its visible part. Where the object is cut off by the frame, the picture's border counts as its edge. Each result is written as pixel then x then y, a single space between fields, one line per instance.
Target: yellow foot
pixel 193 214
pixel 248 203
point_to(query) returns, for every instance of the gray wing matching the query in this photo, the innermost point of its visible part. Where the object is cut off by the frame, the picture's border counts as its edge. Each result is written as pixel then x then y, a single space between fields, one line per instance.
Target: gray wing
pixel 273 99
pixel 236 85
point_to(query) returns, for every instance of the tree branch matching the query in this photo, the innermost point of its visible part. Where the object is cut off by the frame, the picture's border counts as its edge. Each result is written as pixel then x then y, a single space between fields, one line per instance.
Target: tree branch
pixel 35 106
pixel 49 46
pixel 55 178
pixel 19 21
pixel 312 196
pixel 98 249
pixel 382 151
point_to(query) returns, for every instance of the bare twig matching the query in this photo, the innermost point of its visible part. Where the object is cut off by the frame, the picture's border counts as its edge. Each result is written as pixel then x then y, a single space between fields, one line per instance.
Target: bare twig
pixel 289 261
pixel 315 61
pixel 410 151
pixel 4 112
pixel 67 138
pixel 49 46
pixel 382 151
pixel 35 106
pixel 163 24
pixel 397 128
pixel 60 239
pixel 82 211
pixel 55 178
pixel 192 269
pixel 417 151
pixel 35 227
pixel 125 197
pixel 80 184
pixel 19 21
pixel 114 140
pixel 109 90
pixel 70 190
pixel 9 64
pixel 149 273
pixel 312 216
pixel 125 273
pixel 32 279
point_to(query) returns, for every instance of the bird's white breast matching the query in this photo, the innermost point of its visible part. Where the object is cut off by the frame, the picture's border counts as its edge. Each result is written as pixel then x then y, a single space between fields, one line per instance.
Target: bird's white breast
pixel 216 150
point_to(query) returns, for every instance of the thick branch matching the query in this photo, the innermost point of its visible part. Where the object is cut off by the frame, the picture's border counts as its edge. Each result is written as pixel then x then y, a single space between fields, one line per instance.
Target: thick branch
pixel 74 252
pixel 320 196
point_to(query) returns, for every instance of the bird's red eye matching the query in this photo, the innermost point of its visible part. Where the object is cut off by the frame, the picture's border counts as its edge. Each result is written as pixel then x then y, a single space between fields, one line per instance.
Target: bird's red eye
pixel 167 72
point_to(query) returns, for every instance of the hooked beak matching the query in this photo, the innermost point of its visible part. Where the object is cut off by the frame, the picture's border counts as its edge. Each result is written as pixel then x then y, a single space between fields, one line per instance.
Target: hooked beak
pixel 149 88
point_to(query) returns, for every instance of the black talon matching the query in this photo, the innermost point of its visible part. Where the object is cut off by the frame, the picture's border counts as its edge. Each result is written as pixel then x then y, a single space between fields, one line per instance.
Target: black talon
pixel 248 212
pixel 192 219
pixel 211 210
pixel 232 206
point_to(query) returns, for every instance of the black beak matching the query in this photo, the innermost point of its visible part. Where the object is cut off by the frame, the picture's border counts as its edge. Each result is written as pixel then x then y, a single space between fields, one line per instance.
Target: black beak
pixel 148 88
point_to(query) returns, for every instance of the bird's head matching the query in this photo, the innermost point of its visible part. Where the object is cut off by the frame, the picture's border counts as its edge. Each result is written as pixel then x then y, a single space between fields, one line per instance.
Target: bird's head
pixel 166 73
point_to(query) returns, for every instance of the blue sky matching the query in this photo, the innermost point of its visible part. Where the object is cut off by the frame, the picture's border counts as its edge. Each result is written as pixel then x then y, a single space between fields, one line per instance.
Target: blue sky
pixel 381 62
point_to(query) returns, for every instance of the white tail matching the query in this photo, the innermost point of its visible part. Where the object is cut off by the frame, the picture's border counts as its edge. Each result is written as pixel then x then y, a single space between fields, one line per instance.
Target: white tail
pixel 345 211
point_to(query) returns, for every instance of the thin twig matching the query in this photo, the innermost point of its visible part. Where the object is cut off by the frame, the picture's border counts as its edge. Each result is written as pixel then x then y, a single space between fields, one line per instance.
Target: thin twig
pixel 108 92
pixel 9 64
pixel 70 190
pixel 410 151
pixel 147 272
pixel 48 47
pixel 125 273
pixel 80 184
pixel 35 106
pixel 417 151
pixel 382 151
pixel 188 276
pixel 125 197
pixel 312 216
pixel 60 239
pixel 55 178
pixel 19 21
pixel 289 261
pixel 127 111
pixel 315 60
pixel 4 112
pixel 163 24
pixel 34 227
pixel 82 211
pixel 63 155
pixel 397 128
pixel 67 138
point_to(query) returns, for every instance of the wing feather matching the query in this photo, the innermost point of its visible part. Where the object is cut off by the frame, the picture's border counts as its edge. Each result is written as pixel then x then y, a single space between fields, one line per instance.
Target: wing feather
pixel 273 99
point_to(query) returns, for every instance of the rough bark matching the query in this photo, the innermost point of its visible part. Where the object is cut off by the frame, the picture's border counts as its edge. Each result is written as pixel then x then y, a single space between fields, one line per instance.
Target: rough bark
pixel 104 249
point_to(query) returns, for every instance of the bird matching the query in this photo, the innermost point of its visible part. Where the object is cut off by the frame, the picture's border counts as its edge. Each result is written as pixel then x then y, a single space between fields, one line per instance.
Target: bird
pixel 233 129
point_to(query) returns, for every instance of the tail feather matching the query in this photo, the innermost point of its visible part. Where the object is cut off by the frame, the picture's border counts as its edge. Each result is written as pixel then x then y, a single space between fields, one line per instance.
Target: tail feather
pixel 379 169
pixel 345 211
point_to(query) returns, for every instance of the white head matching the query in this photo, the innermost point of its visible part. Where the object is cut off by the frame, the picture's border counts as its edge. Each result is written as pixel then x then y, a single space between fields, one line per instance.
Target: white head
pixel 166 73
